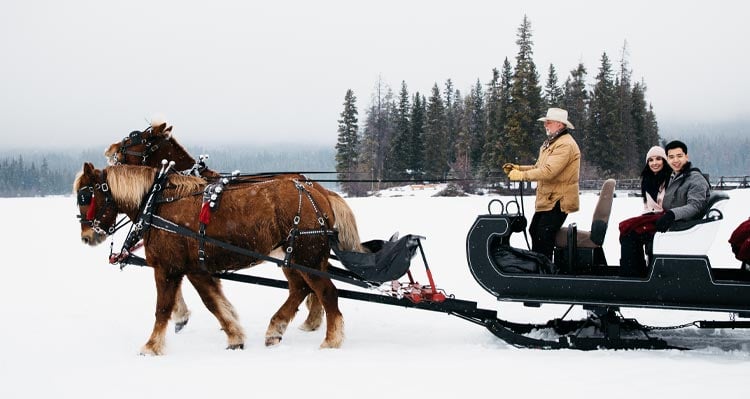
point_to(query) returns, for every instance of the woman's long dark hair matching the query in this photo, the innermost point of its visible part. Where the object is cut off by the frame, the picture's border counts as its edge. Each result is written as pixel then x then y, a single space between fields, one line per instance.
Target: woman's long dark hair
pixel 651 182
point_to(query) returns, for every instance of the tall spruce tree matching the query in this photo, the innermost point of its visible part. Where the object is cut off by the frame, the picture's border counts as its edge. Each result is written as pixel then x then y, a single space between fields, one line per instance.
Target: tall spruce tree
pixel 604 143
pixel 625 131
pixel 524 133
pixel 491 152
pixel 399 157
pixel 416 130
pixel 553 93
pixel 475 124
pixel 348 139
pixel 435 137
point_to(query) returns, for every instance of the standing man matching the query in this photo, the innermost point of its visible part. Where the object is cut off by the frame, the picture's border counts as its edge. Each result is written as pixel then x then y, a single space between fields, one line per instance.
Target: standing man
pixel 684 198
pixel 556 173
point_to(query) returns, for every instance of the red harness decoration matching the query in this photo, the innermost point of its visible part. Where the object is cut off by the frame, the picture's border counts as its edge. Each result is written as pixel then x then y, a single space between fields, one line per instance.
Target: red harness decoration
pixel 205 215
pixel 91 213
pixel 740 241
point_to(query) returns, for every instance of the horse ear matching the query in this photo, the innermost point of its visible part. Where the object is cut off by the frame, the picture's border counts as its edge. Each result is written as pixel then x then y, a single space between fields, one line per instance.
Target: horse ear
pixel 168 132
pixel 158 128
pixel 88 168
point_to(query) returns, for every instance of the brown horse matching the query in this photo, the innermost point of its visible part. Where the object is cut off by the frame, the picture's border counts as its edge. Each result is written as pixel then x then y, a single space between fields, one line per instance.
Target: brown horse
pixel 157 142
pixel 256 217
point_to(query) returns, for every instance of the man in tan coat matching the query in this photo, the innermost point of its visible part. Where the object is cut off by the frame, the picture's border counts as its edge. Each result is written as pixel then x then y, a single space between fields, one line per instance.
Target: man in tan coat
pixel 556 173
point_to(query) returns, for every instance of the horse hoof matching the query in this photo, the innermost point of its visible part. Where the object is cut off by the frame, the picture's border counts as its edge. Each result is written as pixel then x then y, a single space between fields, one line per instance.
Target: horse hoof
pixel 236 346
pixel 328 345
pixel 179 326
pixel 271 341
pixel 309 326
pixel 146 351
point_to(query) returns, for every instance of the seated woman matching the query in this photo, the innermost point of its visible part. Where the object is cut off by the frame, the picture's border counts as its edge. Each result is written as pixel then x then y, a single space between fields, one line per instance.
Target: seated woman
pixel 637 232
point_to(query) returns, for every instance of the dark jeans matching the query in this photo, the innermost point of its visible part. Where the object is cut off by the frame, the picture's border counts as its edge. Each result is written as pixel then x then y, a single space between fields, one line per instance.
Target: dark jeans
pixel 632 259
pixel 544 227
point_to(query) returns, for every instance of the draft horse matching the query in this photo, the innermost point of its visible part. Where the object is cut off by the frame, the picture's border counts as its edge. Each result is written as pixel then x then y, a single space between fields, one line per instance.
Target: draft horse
pixel 150 146
pixel 257 217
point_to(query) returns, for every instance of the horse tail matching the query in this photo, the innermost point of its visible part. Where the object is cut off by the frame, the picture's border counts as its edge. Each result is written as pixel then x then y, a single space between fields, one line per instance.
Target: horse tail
pixel 345 223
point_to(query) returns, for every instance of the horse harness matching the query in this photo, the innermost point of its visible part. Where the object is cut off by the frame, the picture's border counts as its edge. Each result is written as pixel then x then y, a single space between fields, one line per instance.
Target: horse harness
pixel 211 198
pixel 93 217
pixel 136 138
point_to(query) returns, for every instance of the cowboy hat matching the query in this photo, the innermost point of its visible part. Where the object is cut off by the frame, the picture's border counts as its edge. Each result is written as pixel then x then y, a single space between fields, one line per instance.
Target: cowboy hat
pixel 557 115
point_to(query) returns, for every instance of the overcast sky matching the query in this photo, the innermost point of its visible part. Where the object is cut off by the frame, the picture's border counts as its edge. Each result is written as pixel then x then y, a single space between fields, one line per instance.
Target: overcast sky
pixel 88 72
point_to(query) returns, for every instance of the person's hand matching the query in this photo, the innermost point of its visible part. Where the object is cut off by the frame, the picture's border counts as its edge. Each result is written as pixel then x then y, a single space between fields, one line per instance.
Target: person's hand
pixel 510 166
pixel 665 222
pixel 515 175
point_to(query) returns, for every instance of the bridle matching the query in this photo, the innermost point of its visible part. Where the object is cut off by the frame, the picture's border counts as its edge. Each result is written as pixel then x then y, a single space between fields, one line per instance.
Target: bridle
pixel 94 217
pixel 146 138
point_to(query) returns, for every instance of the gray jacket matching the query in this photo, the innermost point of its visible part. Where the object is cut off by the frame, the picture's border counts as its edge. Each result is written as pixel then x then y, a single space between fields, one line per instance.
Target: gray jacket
pixel 687 194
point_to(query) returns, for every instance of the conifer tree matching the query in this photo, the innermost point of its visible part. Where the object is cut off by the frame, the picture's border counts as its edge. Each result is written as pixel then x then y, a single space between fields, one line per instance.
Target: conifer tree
pixel 575 101
pixel 625 133
pixel 435 137
pixel 416 130
pixel 553 93
pixel 399 158
pixel 346 146
pixel 524 134
pixel 604 144
pixel 492 141
pixel 475 124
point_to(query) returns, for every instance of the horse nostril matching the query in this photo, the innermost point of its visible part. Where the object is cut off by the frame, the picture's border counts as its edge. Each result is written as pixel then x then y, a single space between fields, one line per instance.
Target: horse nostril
pixel 85 240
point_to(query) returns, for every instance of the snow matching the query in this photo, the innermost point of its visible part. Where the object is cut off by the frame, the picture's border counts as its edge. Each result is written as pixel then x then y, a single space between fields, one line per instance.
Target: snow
pixel 73 324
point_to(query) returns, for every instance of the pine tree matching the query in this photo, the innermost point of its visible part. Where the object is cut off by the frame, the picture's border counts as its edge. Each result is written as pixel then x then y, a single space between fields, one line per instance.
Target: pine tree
pixel 492 140
pixel 399 158
pixel 475 124
pixel 435 137
pixel 416 130
pixel 604 144
pixel 348 139
pixel 553 93
pixel 575 101
pixel 523 131
pixel 624 130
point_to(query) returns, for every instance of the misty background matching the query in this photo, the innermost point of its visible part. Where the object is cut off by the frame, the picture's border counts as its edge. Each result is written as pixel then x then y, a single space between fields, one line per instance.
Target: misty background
pixel 255 79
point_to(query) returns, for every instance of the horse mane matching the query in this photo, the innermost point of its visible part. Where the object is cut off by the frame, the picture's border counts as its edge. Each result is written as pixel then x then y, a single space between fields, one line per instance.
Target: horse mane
pixel 131 183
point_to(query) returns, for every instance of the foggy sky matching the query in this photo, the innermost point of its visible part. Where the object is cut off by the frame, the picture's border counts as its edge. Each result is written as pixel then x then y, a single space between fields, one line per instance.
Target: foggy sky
pixel 80 72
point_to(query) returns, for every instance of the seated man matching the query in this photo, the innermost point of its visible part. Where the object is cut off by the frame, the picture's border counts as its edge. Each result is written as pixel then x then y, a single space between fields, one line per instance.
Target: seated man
pixel 685 197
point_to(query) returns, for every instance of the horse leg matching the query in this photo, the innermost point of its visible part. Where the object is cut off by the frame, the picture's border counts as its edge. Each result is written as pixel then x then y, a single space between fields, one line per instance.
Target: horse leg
pixel 166 289
pixel 315 315
pixel 298 289
pixel 209 289
pixel 181 313
pixel 328 295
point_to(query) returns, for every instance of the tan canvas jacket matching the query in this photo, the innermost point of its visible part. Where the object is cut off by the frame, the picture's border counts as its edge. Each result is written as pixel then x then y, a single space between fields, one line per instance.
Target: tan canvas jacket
pixel 556 174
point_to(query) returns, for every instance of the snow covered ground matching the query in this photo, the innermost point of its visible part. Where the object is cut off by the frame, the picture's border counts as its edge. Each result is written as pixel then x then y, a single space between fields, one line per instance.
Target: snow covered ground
pixel 72 324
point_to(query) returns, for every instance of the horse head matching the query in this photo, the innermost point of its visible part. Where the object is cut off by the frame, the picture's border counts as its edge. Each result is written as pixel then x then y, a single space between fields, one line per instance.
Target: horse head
pixel 96 205
pixel 147 147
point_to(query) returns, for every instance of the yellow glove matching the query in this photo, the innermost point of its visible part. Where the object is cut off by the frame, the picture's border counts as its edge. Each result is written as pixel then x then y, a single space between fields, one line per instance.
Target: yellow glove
pixel 515 175
pixel 510 166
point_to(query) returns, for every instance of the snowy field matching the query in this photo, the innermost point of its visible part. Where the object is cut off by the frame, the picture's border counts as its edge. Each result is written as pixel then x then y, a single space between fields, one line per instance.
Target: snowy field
pixel 72 324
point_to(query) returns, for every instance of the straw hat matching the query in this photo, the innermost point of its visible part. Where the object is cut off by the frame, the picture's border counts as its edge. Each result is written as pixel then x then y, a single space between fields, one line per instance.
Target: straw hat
pixel 557 115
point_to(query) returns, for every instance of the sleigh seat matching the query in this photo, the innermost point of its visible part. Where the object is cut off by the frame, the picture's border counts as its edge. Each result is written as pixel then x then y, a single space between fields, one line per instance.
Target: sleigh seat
pixel 579 251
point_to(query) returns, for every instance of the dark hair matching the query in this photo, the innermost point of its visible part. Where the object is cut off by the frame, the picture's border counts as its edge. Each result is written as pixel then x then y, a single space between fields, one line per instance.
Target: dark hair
pixel 675 144
pixel 650 181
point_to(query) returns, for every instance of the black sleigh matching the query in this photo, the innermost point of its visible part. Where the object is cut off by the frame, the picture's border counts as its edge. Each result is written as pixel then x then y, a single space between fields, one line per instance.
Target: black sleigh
pixel 680 275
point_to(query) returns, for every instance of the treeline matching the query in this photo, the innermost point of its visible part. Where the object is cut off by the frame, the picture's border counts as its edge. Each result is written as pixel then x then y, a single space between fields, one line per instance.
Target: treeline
pixel 29 179
pixel 47 172
pixel 447 134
